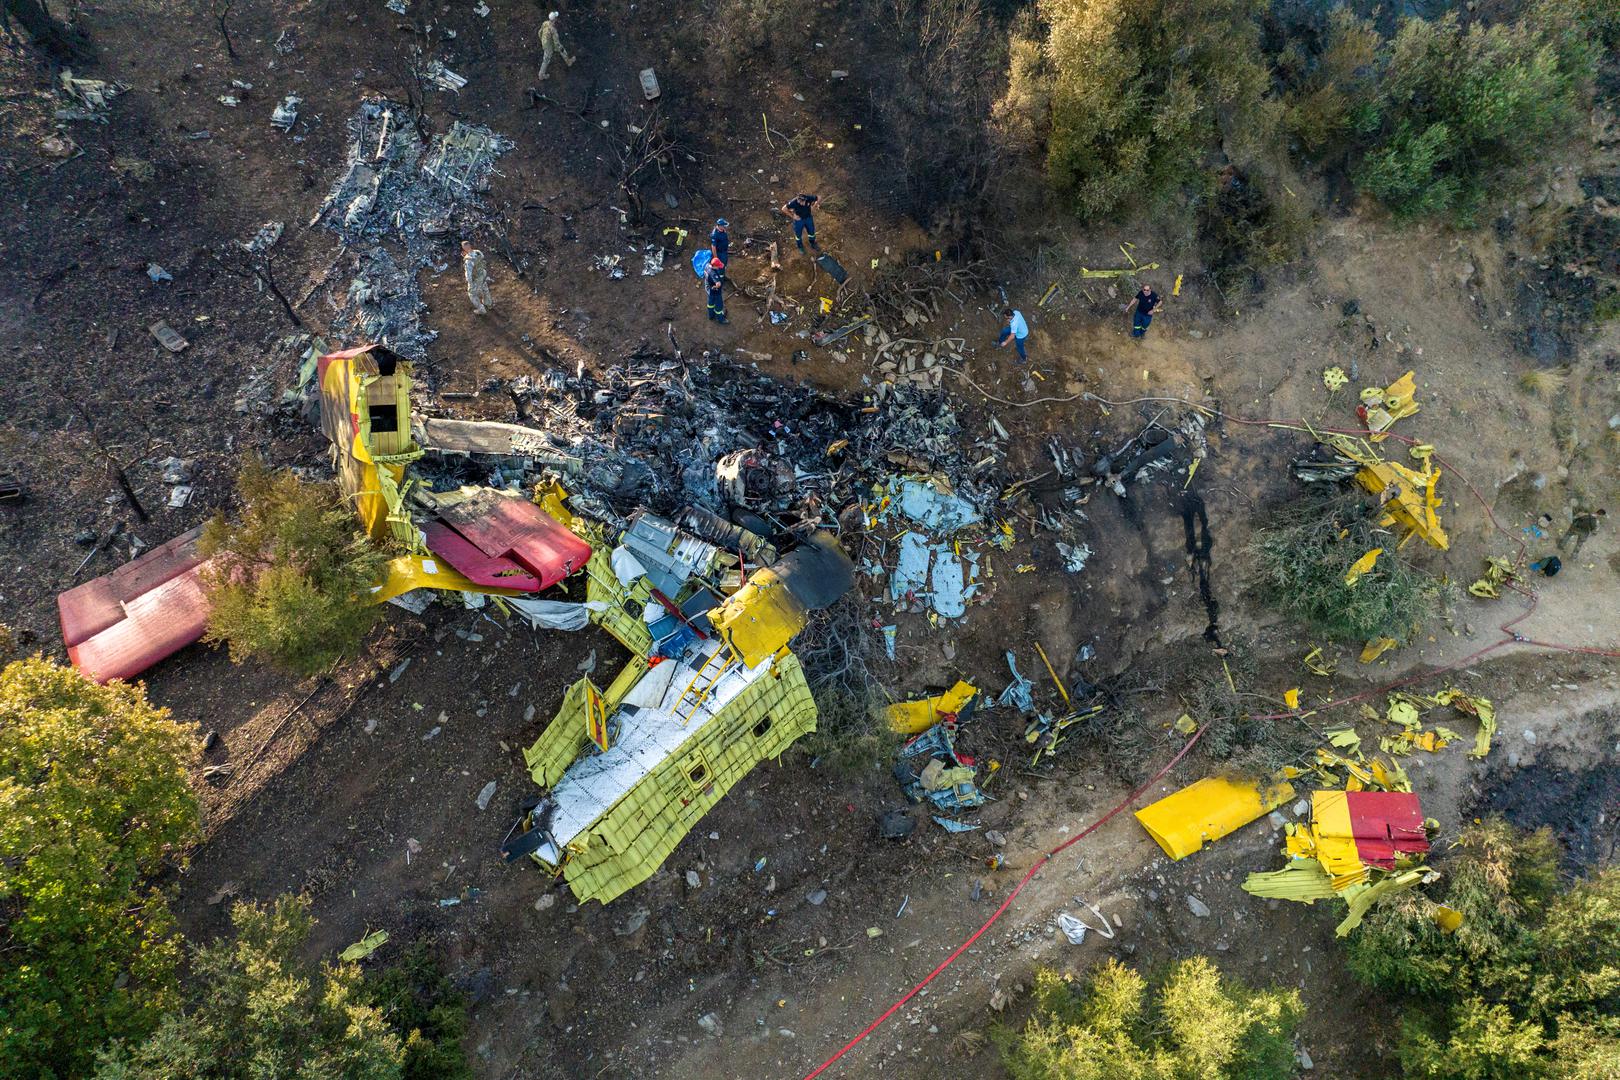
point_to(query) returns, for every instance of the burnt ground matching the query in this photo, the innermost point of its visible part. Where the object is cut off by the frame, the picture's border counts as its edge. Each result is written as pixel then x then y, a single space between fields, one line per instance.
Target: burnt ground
pixel 1578 803
pixel 311 799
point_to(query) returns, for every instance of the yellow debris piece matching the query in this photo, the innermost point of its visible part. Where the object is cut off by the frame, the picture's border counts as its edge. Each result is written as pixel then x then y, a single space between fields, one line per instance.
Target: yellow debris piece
pixel 1208 809
pixel 426 572
pixel 1480 709
pixel 1185 724
pixel 365 415
pixel 1375 648
pixel 1362 566
pixel 1330 839
pixel 1498 572
pixel 1317 665
pixel 1291 698
pixel 1334 378
pixel 1447 919
pixel 1403 713
pixel 1304 881
pixel 552 497
pixel 1363 897
pixel 1408 498
pixel 1345 738
pixel 914 717
pixel 760 618
pixel 1389 404
pixel 1388 776
pixel 364 947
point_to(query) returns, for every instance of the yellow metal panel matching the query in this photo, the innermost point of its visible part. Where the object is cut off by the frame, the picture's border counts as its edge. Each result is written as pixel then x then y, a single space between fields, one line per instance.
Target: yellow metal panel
pixel 1304 881
pixel 425 572
pixel 370 467
pixel 1335 838
pixel 759 618
pixel 914 717
pixel 1413 502
pixel 553 499
pixel 1365 896
pixel 630 842
pixel 1207 810
pixel 562 740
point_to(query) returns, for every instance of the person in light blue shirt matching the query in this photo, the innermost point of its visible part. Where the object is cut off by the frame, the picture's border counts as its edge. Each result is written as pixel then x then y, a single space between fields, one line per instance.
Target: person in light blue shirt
pixel 1016 331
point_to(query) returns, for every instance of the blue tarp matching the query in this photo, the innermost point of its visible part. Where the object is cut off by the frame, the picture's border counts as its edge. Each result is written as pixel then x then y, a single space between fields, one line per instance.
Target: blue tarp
pixel 700 261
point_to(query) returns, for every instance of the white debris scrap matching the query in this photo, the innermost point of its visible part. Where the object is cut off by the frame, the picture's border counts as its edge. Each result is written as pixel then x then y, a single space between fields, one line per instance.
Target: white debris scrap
pixel 286 114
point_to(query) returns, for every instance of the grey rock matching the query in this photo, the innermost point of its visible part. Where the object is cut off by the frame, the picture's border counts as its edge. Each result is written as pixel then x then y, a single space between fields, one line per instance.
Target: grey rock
pixel 1197 907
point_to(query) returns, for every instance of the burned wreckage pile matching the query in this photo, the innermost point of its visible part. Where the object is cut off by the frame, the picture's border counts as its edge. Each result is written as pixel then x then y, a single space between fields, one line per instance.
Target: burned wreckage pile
pixel 397 207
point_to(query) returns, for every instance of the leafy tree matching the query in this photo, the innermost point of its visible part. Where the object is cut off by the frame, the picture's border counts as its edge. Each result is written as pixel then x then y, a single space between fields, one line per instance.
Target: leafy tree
pixel 1326 88
pixel 1196 1024
pixel 260 1011
pixel 93 800
pixel 1528 986
pixel 1451 110
pixel 290 581
pixel 1130 97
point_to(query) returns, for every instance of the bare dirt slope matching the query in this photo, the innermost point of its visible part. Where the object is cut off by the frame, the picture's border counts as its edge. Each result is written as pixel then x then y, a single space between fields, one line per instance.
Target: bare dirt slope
pixel 330 781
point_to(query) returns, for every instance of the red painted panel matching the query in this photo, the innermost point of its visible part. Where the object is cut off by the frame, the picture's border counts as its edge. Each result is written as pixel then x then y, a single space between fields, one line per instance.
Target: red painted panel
pixel 90 608
pixel 481 569
pixel 1384 823
pixel 504 526
pixel 156 624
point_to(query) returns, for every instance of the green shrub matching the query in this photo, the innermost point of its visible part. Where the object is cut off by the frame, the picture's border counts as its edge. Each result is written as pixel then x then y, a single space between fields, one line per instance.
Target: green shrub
pixel 1130 97
pixel 1194 1024
pixel 1327 89
pixel 259 1010
pixel 1528 986
pixel 426 1009
pixel 1304 552
pixel 93 800
pixel 1453 110
pixel 290 582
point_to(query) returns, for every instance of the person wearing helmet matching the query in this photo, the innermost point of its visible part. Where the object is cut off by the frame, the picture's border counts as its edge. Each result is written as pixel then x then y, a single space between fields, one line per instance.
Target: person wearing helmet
pixel 552 45
pixel 714 280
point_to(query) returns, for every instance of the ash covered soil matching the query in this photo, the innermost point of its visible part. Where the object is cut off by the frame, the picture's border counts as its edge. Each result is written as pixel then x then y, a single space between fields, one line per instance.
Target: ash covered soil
pixel 338 786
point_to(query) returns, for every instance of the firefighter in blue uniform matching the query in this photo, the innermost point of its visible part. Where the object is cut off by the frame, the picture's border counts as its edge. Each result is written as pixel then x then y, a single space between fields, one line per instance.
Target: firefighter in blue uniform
pixel 714 280
pixel 720 241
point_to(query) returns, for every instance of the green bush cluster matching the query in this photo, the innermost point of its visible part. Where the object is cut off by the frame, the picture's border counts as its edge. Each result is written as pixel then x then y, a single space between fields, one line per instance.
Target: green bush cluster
pixel 1527 987
pixel 1129 97
pixel 290 581
pixel 1450 110
pixel 1303 554
pixel 259 1009
pixel 93 801
pixel 1193 1023
pixel 1133 102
